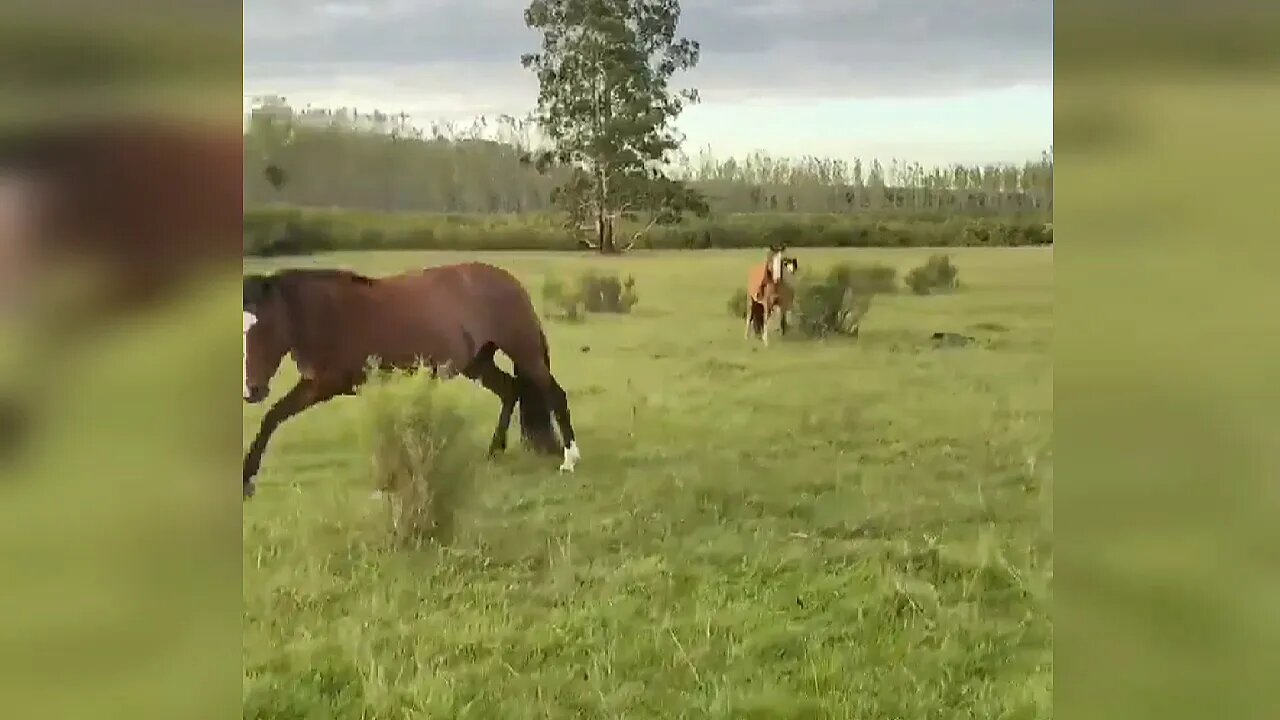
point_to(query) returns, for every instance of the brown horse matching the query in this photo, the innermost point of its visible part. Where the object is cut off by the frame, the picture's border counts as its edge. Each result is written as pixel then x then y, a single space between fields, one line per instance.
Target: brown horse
pixel 451 318
pixel 768 289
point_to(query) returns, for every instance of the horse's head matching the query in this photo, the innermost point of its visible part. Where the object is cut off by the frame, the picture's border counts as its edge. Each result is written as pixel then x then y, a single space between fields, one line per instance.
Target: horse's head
pixel 790 266
pixel 266 334
pixel 774 261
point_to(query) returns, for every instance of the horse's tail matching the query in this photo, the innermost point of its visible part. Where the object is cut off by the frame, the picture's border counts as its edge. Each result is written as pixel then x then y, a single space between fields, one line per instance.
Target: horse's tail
pixel 534 408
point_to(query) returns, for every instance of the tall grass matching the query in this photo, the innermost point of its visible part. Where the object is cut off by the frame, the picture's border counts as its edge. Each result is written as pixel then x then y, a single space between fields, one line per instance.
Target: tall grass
pixel 421 455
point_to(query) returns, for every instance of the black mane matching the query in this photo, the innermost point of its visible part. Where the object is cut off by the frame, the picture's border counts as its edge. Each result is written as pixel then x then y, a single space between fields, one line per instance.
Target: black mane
pixel 257 286
pixel 304 274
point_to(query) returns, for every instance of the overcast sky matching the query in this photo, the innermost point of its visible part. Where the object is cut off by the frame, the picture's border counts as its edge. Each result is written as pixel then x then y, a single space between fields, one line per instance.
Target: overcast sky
pixel 936 81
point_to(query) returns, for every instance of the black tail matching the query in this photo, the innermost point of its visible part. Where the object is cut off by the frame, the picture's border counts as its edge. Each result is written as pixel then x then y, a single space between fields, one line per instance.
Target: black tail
pixel 535 411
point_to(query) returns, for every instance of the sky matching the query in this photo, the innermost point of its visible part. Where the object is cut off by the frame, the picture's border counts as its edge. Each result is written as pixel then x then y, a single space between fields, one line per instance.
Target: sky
pixel 932 81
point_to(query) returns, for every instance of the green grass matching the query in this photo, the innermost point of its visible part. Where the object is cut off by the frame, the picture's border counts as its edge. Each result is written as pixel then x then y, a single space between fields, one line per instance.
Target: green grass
pixel 848 529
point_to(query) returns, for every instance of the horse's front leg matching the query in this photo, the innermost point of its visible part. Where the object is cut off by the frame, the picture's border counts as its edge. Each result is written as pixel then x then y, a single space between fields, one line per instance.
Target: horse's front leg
pixel 302 396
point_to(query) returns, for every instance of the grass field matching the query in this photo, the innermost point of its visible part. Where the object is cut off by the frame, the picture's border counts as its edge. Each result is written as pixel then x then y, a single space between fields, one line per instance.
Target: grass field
pixel 849 529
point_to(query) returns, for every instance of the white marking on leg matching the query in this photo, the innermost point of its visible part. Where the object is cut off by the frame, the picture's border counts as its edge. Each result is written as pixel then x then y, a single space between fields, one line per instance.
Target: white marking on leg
pixel 571 457
pixel 249 321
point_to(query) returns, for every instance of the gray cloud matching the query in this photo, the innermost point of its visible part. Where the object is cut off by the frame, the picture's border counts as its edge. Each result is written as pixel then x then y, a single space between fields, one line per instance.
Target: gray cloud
pixel 750 48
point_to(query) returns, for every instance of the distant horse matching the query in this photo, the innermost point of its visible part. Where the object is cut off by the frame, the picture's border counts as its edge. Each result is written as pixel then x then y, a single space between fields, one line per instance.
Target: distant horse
pixel 769 289
pixel 452 318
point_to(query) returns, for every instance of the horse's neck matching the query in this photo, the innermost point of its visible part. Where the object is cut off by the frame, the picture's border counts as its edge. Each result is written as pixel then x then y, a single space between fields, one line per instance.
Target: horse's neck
pixel 319 314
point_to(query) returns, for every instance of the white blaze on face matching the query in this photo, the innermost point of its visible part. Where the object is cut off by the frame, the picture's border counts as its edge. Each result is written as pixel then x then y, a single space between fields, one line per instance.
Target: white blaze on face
pixel 775 266
pixel 249 320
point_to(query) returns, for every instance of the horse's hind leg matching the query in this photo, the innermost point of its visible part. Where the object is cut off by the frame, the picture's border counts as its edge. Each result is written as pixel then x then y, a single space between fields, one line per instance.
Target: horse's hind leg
pixel 755 319
pixel 560 408
pixel 484 370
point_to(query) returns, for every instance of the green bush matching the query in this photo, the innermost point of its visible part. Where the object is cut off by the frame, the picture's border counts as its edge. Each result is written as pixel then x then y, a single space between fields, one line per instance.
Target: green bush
pixel 560 301
pixel 594 291
pixel 834 304
pixel 866 279
pixel 421 456
pixel 604 293
pixel 937 274
pixel 738 303
pixel 276 230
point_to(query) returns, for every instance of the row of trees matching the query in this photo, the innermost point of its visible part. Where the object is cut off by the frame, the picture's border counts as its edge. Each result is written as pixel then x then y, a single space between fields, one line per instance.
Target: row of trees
pixel 601 147
pixel 377 161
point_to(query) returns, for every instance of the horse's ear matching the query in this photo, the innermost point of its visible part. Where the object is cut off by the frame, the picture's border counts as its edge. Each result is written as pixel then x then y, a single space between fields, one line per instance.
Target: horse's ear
pixel 257 288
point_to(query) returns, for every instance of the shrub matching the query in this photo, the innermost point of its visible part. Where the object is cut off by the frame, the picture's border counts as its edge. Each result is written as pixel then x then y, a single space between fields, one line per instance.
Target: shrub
pixel 866 279
pixel 604 293
pixel 937 274
pixel 421 455
pixel 738 303
pixel 560 301
pixel 832 305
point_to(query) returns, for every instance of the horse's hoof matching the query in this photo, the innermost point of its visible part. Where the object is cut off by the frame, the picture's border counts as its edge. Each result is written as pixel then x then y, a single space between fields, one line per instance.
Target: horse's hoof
pixel 249 489
pixel 571 457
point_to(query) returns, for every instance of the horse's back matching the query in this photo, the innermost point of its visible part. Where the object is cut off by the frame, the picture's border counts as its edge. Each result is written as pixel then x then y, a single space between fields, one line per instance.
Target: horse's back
pixel 485 302
pixel 474 285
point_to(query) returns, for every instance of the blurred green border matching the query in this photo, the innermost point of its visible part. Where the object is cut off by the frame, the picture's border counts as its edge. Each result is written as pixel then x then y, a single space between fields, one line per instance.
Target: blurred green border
pixel 62 65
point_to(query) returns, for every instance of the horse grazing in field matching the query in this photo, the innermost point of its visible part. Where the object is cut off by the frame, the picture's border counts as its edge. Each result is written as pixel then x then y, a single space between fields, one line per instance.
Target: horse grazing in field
pixel 452 318
pixel 768 289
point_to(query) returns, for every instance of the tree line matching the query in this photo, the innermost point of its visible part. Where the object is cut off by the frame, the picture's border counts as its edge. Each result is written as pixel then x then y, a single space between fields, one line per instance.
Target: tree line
pixel 378 161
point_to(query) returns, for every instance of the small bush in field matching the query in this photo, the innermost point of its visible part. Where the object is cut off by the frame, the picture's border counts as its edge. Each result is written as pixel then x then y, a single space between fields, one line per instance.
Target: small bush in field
pixel 605 293
pixel 738 303
pixel 559 300
pixel 937 274
pixel 421 456
pixel 866 279
pixel 831 305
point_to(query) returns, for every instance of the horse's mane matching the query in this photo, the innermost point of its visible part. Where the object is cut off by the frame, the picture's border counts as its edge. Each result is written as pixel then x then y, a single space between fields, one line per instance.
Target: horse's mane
pixel 294 275
pixel 292 283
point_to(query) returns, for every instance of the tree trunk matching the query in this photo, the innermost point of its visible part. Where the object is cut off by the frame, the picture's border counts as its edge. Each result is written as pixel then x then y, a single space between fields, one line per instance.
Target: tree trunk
pixel 605 239
pixel 604 219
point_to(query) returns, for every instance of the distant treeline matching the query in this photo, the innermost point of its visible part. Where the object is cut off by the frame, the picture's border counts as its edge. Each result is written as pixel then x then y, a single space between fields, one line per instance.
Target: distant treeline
pixel 290 231
pixel 380 162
